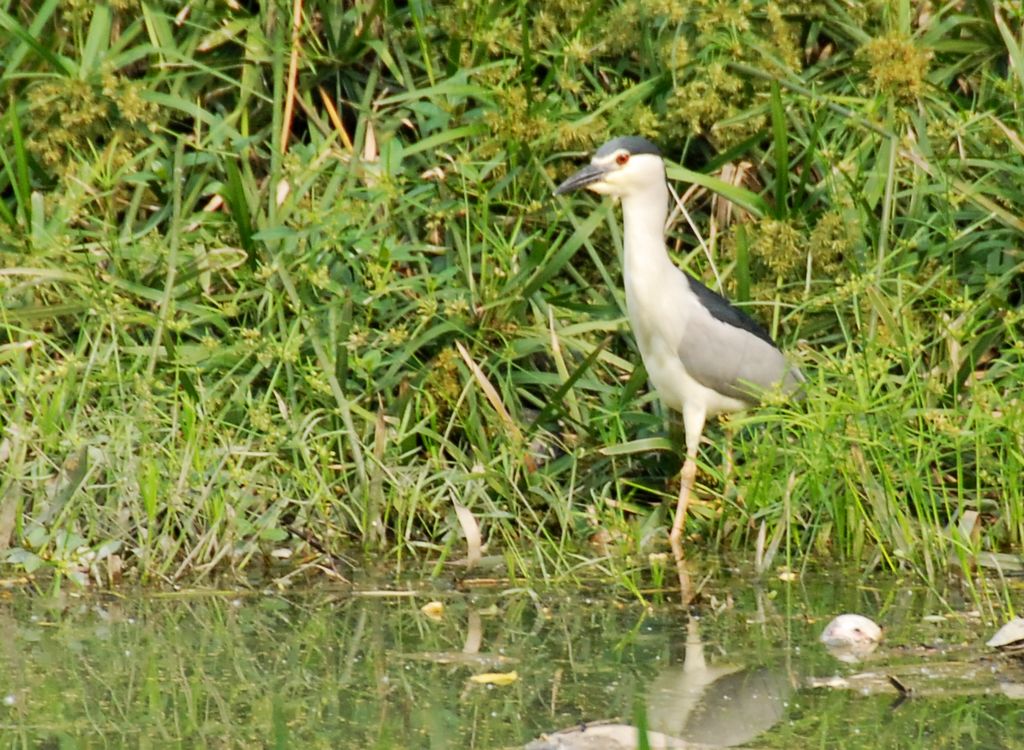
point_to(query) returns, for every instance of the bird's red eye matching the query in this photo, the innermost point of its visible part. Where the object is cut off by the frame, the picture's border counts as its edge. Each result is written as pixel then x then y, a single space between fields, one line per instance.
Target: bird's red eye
pixel 621 159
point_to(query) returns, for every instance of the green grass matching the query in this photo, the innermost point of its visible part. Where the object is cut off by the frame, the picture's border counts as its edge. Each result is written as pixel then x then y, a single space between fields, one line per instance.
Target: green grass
pixel 230 309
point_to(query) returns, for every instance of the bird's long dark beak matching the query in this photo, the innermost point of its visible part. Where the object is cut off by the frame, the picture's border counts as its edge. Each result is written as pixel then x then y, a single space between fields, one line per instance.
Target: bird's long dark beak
pixel 589 174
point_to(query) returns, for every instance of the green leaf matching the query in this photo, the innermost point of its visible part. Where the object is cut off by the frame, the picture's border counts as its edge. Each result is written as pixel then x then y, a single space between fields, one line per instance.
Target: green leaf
pixel 646 445
pixel 97 41
pixel 745 199
pixel 273 534
pixel 29 38
pixel 780 142
pixel 742 268
pixel 30 561
pixel 553 264
pixel 18 172
pixel 1013 47
pixel 238 204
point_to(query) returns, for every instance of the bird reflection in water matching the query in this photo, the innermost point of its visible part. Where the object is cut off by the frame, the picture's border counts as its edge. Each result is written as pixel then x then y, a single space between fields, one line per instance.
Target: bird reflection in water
pixel 692 705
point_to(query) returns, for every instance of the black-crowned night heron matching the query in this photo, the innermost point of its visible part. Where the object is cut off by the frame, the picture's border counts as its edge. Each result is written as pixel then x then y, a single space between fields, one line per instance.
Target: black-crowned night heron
pixel 704 356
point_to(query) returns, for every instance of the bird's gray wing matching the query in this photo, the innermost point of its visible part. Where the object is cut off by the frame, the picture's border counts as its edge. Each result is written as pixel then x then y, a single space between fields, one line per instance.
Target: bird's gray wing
pixel 725 350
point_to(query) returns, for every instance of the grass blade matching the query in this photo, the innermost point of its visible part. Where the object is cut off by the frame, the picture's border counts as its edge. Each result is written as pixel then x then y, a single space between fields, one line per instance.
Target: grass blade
pixel 780 143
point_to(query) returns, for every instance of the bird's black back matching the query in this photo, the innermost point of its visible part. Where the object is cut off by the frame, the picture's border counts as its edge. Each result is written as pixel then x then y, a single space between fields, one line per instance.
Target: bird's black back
pixel 723 310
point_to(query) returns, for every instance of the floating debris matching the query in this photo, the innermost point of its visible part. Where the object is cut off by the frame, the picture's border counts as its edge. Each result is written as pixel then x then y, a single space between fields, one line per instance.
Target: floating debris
pixel 433 610
pixel 1010 637
pixel 607 736
pixel 495 678
pixel 850 638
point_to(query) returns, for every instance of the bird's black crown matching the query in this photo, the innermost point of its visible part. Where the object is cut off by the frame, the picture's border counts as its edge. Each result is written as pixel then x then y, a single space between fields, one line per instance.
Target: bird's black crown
pixel 634 144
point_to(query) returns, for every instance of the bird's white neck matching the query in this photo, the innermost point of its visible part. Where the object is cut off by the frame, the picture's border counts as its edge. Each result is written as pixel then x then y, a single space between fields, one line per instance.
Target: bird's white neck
pixel 644 214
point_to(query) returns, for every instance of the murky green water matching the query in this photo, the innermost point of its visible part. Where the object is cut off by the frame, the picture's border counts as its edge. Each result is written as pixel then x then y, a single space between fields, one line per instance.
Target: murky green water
pixel 336 669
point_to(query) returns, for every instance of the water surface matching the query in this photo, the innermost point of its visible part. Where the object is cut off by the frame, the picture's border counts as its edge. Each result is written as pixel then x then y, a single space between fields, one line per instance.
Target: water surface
pixel 366 668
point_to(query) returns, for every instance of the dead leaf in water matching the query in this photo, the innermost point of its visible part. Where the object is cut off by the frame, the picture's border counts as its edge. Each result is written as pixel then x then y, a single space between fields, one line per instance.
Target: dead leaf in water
pixel 495 678
pixel 433 610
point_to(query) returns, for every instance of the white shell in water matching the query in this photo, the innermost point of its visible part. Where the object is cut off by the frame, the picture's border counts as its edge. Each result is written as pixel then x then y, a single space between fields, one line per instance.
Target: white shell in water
pixel 851 637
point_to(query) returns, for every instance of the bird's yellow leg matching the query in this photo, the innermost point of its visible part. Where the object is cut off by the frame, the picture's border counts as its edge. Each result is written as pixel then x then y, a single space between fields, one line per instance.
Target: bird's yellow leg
pixel 693 421
pixel 687 478
pixel 675 537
